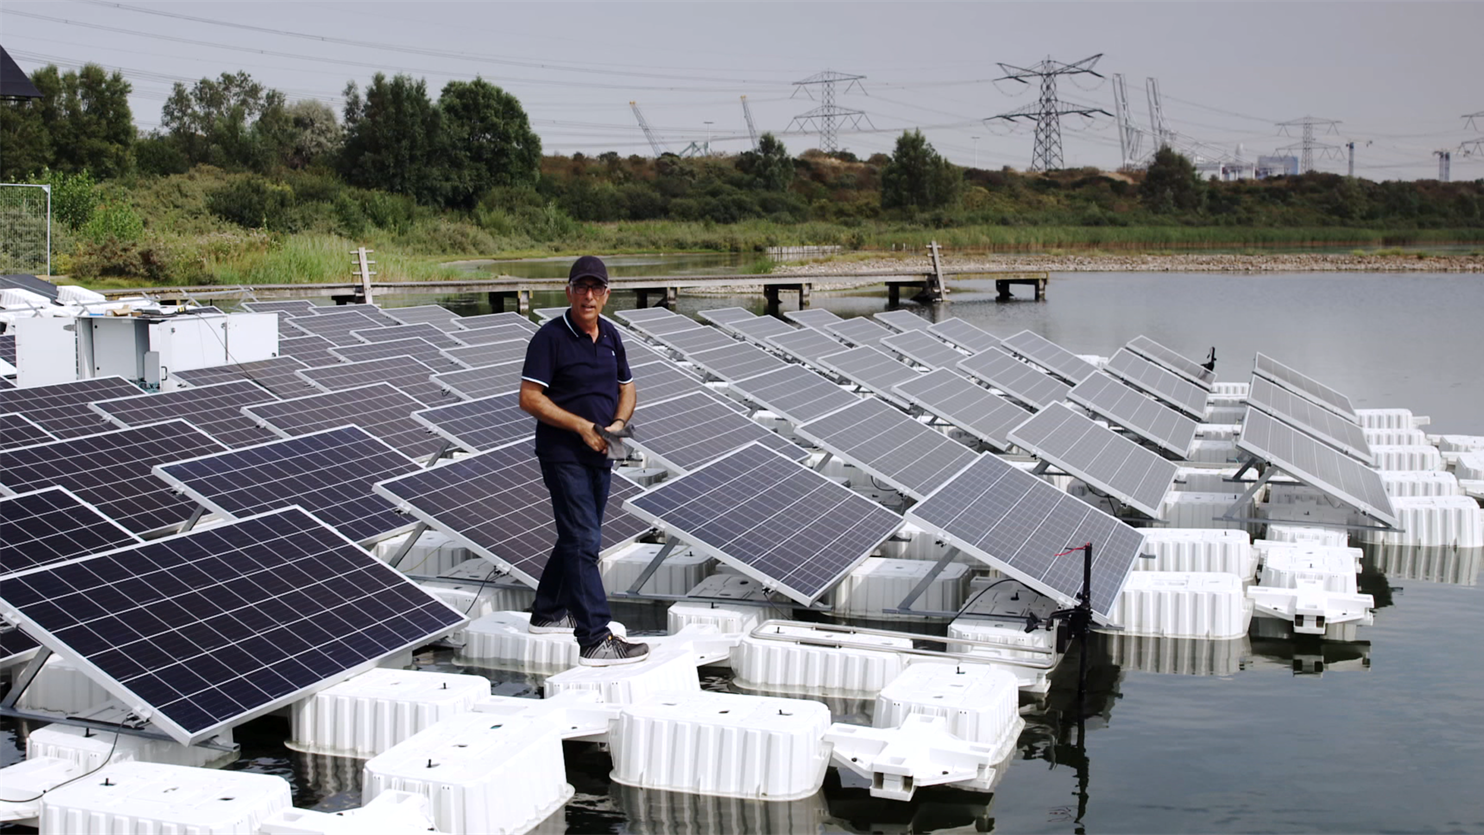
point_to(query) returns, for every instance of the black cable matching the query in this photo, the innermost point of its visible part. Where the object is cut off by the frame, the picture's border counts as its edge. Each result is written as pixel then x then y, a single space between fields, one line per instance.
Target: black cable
pixel 106 760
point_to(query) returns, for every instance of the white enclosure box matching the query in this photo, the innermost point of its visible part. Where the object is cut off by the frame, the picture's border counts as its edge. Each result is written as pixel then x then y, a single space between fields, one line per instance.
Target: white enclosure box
pixel 680 571
pixel 1182 604
pixel 723 744
pixel 135 797
pixel 46 351
pixel 771 659
pixel 365 715
pixel 1198 549
pixel 493 775
pixel 878 584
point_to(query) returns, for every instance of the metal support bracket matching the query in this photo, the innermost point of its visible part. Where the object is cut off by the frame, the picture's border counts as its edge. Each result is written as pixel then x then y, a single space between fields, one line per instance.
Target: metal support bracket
pixel 654 565
pixel 406 547
pixel 819 468
pixel 905 607
pixel 195 517
pixel 24 678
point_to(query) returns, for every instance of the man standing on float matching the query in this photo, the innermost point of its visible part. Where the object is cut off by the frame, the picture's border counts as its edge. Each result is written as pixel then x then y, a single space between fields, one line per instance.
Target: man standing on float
pixel 577 384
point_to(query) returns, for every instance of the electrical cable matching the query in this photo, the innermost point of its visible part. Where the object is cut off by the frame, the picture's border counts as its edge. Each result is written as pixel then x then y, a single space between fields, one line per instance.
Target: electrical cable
pixel 94 770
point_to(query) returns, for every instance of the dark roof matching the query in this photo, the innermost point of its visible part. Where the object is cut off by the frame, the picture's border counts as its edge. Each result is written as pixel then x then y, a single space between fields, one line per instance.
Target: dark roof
pixel 14 84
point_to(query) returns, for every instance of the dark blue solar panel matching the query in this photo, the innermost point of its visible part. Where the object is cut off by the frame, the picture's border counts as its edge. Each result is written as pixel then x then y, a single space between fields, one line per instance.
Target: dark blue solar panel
pixel 19 430
pixel 62 409
pixel 481 424
pixel 52 525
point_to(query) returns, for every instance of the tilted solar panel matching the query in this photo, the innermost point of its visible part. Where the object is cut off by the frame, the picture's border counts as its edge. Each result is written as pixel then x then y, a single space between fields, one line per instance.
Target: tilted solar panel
pixel 661 380
pixel 495 333
pixel 1141 415
pixel 873 370
pixel 7 347
pixel 327 473
pixel 806 345
pixel 969 337
pixel 380 408
pixel 313 351
pixel 483 381
pixel 405 373
pixel 795 393
pixel 922 348
pixel 780 523
pixel 546 314
pixel 685 432
pixel 279 375
pixel 759 328
pixel 910 457
pixel 210 628
pixel 431 314
pixel 496 505
pixel 62 409
pixel 370 311
pixel 477 425
pixel 813 317
pixel 111 471
pixel 1172 361
pixel 490 353
pixel 51 525
pixel 859 331
pixel 1310 417
pixel 1099 456
pixel 645 314
pixel 965 404
pixel 736 361
pixel 662 325
pixel 215 409
pixel 423 331
pixel 1015 378
pixel 419 349
pixel 725 316
pixel 1315 464
pixel 1049 355
pixel 289 307
pixel 693 340
pixel 1305 386
pixel 19 430
pixel 485 320
pixel 902 321
pixel 337 326
pixel 1023 526
pixel 1165 385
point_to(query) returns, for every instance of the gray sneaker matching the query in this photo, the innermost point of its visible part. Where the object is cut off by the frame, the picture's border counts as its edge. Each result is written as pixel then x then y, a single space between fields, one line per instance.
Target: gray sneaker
pixel 612 651
pixel 561 626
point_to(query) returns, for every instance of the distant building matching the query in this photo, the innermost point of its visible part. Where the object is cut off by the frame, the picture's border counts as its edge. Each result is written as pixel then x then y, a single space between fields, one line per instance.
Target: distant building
pixel 1226 171
pixel 1277 167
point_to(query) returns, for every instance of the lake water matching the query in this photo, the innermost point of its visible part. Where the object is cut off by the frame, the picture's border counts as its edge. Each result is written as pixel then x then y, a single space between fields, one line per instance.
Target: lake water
pixel 1384 734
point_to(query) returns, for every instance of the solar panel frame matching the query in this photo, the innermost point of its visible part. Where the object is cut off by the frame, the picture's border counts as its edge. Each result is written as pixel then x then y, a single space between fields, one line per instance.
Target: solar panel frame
pixel 911 458
pixel 406 373
pixel 1310 417
pixel 1172 361
pixel 112 472
pixel 482 381
pixel 495 333
pixel 1315 463
pixel 902 320
pixel 482 424
pixel 661 380
pixel 370 311
pixel 693 340
pixel 62 408
pixel 1138 413
pixel 495 504
pixel 776 504
pixel 484 320
pixel 1049 355
pixel 549 313
pixel 436 315
pixel 872 370
pixel 736 361
pixel 277 375
pixel 1098 456
pixel 423 331
pixel 19 430
pixel 794 393
pixel 807 345
pixel 286 308
pixel 965 335
pixel 1155 380
pixel 489 353
pixel 858 331
pixel 1017 523
pixel 419 349
pixel 53 525
pixel 1305 386
pixel 336 491
pixel 965 404
pixel 684 433
pixel 1018 379
pixel 240 612
pixel 757 329
pixel 336 326
pixel 812 317
pixel 313 351
pixel 924 349
pixel 215 409
pixel 664 325
pixel 644 314
pixel 725 316
pixel 383 410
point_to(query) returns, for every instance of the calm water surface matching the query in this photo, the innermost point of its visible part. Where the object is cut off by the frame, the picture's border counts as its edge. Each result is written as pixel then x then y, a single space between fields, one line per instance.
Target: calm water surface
pixel 1385 734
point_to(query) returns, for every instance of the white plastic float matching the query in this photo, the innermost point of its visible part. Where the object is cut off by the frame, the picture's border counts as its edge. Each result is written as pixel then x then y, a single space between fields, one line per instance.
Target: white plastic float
pixel 1198 549
pixel 91 749
pixel 1187 509
pixel 879 583
pixel 1182 604
pixel 1470 465
pixel 62 688
pixel 1389 419
pixel 1420 483
pixel 576 714
pixel 1395 437
pixel 365 715
pixel 504 640
pixel 666 670
pixel 1205 451
pixel 135 797
pixel 806 658
pixel 1457 521
pixel 432 555
pixel 1410 457
pixel 1213 479
pixel 1306 535
pixel 1313 587
pixel 680 571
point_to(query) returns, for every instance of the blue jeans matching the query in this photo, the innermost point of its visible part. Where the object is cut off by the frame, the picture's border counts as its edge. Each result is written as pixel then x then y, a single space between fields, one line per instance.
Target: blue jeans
pixel 571 583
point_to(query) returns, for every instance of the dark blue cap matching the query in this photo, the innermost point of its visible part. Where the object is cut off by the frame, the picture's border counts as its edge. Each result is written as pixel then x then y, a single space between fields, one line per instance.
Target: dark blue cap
pixel 588 266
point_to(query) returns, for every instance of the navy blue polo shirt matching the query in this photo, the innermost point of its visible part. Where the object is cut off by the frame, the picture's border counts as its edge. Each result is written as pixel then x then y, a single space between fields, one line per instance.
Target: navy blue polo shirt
pixel 580 376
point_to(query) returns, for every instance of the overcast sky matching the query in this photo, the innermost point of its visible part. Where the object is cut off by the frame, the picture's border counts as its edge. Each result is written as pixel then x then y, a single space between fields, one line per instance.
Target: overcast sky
pixel 1398 76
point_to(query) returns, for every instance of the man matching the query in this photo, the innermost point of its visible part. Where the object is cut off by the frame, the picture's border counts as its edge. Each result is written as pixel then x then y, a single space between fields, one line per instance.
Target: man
pixel 576 382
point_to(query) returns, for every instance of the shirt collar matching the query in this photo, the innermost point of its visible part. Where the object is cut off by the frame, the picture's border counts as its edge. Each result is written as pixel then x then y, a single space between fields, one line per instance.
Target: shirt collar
pixel 567 318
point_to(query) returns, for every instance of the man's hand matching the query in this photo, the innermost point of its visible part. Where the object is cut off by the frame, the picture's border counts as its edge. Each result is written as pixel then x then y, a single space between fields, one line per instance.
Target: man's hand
pixel 615 427
pixel 590 436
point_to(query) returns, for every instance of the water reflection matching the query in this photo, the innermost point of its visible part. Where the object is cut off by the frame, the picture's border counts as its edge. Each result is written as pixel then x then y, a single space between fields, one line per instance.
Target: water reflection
pixel 653 811
pixel 1275 647
pixel 853 809
pixel 1179 656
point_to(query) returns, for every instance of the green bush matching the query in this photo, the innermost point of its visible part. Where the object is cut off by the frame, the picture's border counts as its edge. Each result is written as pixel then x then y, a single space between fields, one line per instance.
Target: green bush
pixel 74 197
pixel 114 221
pixel 254 203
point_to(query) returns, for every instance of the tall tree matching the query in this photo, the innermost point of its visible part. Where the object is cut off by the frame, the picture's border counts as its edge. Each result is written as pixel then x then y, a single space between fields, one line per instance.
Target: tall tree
pixel 770 166
pixel 917 176
pixel 392 137
pixel 487 141
pixel 82 122
pixel 231 122
pixel 1171 183
pixel 314 133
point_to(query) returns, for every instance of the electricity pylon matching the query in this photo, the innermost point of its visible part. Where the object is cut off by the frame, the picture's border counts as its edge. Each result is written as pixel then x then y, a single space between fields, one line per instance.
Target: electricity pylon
pixel 1476 145
pixel 825 116
pixel 1308 145
pixel 1047 112
pixel 654 142
pixel 1129 137
pixel 751 128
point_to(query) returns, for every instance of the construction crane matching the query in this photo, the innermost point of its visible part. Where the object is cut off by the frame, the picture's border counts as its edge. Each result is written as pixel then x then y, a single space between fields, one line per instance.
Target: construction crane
pixel 751 128
pixel 1129 137
pixel 654 142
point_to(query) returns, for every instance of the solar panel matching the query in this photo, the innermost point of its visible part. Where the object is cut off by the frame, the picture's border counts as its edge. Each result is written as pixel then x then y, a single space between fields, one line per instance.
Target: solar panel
pixel 666 325
pixel 873 370
pixel 1315 464
pixel 485 320
pixel 546 314
pixel 736 361
pixel 289 308
pixel 1305 386
pixel 1141 415
pixel 1049 355
pixel 814 317
pixel 1019 524
pixel 806 345
pixel 6 383
pixel 19 430
pixel 1099 456
pixel 482 424
pixel 496 504
pixel 910 457
pixel 795 393
pixel 660 380
pixel 327 473
pixel 780 523
pixel 483 381
pixel 969 406
pixel 405 373
pixel 645 314
pixel 1165 385
pixel 215 410
pixel 430 314
pixel 278 375
pixel 7 347
pixel 31 283
pixel 422 331
pixel 1172 361
pixel 923 349
pixel 495 333
pixel 858 331
pixel 111 471
pixel 725 316
pixel 313 351
pixel 52 525
pixel 1017 379
pixel 370 311
pixel 685 432
pixel 759 328
pixel 15 646
pixel 380 408
pixel 1306 415
pixel 203 630
pixel 692 340
pixel 419 349
pixel 62 409
pixel 902 321
pixel 966 336
pixel 285 330
pixel 490 353
pixel 337 326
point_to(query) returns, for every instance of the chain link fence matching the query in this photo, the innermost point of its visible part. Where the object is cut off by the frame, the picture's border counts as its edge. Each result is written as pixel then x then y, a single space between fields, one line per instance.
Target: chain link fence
pixel 25 229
